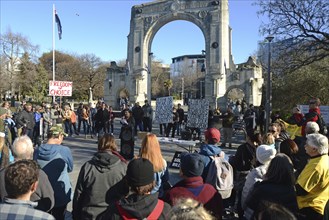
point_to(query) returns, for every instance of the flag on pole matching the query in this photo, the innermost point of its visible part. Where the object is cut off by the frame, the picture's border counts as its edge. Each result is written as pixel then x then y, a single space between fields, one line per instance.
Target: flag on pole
pixel 59 25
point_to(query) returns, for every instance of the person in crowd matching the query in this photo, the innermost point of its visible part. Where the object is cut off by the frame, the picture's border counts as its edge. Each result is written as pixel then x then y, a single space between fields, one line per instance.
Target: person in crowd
pixel 189 209
pixel 210 117
pixel 243 162
pixel 85 120
pixel 10 121
pixel 47 122
pixel 210 148
pixel 101 119
pixel 277 186
pixel 147 116
pixel 140 204
pixel 56 114
pixel 269 139
pixel 290 148
pixel 275 129
pixel 228 120
pixel 104 170
pixel 296 118
pixel 274 211
pixel 250 118
pixel 21 180
pixel 138 116
pixel 181 116
pixel 110 124
pixel 127 122
pixel 313 113
pixel 262 119
pixel 80 116
pixel 92 119
pixel 192 186
pixel 172 126
pixel 74 121
pixel 313 182
pixel 264 155
pixel 151 150
pixel 56 161
pixel 3 116
pixel 44 194
pixel 38 117
pixel 275 116
pixel 21 107
pixel 67 114
pixel 26 120
pixel 6 156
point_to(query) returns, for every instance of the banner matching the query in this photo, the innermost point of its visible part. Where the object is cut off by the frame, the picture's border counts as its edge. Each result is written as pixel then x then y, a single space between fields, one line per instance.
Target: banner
pixel 60 88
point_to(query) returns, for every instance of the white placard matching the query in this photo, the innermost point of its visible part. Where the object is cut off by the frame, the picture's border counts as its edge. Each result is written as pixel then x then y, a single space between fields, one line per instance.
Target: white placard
pixel 60 88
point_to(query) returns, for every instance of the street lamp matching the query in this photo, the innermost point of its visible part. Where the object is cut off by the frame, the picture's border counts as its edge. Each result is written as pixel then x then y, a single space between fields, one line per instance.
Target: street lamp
pixel 268 85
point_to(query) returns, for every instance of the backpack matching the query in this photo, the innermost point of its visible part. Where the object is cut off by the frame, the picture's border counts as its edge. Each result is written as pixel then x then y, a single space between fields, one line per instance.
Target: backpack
pixel 155 214
pixel 322 124
pixel 220 176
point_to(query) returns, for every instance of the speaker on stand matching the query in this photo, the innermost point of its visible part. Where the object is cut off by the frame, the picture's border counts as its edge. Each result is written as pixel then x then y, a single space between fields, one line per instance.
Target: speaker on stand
pixel 127 142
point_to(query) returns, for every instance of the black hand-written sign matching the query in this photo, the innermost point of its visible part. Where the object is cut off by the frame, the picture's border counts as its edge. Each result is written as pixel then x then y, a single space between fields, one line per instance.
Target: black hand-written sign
pixel 175 163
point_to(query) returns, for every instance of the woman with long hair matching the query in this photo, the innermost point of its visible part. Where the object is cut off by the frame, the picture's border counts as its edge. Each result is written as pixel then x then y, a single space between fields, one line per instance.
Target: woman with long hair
pixel 151 150
pixel 278 186
pixel 96 177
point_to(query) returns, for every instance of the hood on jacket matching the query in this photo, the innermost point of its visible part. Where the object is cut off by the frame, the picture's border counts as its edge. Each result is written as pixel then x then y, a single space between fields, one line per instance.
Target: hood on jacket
pixel 47 151
pixel 104 161
pixel 210 150
pixel 138 206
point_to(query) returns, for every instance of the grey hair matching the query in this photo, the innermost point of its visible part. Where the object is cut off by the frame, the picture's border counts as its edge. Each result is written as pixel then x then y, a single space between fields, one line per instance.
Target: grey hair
pixel 319 141
pixel 22 148
pixel 312 127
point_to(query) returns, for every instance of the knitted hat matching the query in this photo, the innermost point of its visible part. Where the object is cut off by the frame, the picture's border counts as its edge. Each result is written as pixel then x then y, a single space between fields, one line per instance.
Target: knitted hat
pixel 265 153
pixel 57 129
pixel 212 134
pixel 191 164
pixel 140 172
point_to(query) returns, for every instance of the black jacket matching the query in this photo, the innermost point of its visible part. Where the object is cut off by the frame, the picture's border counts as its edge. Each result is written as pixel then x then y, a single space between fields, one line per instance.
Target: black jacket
pixel 96 177
pixel 137 206
pixel 26 118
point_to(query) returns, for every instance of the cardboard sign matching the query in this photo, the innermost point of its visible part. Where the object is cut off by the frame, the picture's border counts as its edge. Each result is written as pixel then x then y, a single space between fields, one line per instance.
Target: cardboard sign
pixel 175 162
pixel 60 88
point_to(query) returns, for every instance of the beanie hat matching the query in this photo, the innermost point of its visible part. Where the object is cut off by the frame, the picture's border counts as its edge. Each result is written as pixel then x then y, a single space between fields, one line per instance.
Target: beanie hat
pixel 191 164
pixel 212 135
pixel 140 172
pixel 265 153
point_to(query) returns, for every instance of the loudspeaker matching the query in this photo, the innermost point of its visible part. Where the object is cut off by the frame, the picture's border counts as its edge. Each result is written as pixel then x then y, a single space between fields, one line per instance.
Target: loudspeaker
pixel 127 142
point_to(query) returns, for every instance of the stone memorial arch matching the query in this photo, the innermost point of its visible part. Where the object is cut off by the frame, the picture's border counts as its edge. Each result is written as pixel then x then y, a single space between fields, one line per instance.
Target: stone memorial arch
pixel 212 17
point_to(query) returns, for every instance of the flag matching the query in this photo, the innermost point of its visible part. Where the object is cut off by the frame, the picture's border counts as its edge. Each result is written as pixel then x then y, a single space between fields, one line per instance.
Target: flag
pixel 59 26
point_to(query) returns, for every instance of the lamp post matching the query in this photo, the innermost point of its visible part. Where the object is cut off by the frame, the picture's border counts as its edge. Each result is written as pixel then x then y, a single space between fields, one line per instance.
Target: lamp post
pixel 268 85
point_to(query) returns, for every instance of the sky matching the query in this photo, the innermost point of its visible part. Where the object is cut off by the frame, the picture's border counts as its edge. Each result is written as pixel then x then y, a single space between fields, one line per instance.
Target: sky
pixel 102 27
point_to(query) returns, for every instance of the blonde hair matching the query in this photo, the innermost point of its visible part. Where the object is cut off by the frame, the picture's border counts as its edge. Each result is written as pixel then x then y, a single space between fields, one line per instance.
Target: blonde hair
pixel 268 139
pixel 189 209
pixel 151 150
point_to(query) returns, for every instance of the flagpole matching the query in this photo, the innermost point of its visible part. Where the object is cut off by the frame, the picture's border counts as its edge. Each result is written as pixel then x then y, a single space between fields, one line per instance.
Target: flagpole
pixel 53 45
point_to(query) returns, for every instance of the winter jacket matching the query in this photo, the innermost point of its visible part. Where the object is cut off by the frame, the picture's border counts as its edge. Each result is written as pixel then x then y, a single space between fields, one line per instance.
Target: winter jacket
pixel 255 175
pixel 312 115
pixel 138 206
pixel 193 187
pixel 282 194
pixel 44 193
pixel 96 177
pixel 207 150
pixel 56 161
pixel 26 118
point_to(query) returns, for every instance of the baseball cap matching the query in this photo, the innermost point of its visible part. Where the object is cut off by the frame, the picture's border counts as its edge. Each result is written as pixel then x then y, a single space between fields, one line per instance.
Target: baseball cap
pixel 57 129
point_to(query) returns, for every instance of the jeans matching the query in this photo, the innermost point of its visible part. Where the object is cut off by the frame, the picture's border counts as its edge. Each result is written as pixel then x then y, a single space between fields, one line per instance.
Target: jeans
pixel 68 127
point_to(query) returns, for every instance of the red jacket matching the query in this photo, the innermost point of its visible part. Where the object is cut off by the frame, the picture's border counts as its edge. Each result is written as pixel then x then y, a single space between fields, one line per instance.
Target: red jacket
pixel 309 117
pixel 193 187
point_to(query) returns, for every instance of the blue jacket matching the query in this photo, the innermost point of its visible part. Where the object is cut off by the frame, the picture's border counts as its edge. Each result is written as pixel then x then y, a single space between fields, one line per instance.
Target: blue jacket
pixel 56 161
pixel 207 150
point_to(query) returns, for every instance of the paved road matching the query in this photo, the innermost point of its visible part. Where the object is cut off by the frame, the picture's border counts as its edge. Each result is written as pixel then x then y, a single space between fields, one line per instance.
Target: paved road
pixel 83 150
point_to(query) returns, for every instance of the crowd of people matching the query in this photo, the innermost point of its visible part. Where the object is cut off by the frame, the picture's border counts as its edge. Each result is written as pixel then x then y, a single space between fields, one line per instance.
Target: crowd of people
pixel 274 175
